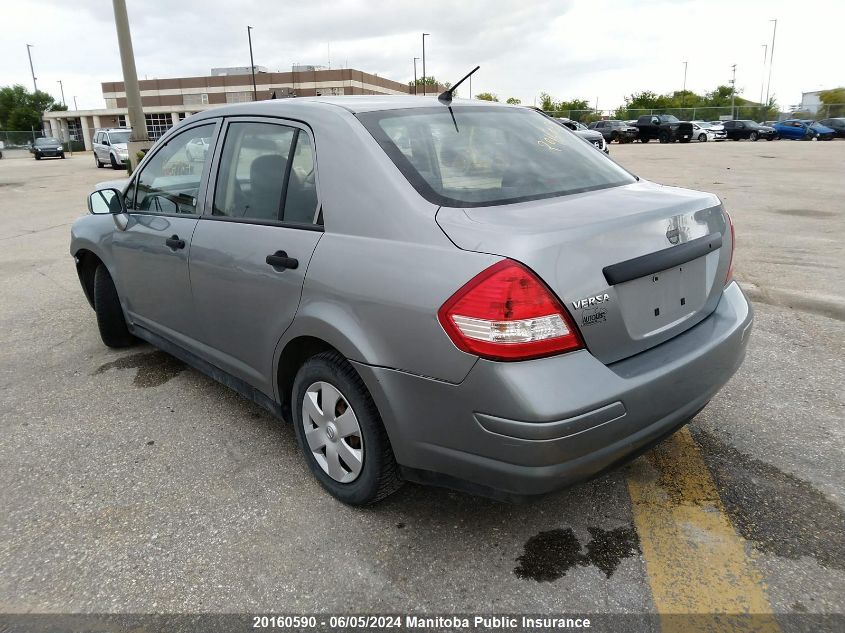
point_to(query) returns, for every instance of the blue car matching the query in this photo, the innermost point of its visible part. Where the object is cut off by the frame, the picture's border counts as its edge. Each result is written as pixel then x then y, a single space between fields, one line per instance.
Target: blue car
pixel 800 129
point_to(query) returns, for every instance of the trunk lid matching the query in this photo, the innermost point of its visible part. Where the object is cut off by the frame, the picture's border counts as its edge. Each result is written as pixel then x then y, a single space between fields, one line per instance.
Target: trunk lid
pixel 634 265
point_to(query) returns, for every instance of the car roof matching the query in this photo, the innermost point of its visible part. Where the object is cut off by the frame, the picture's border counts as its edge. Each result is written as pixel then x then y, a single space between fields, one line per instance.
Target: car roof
pixel 353 104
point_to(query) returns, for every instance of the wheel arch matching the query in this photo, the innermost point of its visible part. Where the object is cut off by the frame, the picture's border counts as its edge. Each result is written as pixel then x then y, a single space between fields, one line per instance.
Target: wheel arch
pixel 86 265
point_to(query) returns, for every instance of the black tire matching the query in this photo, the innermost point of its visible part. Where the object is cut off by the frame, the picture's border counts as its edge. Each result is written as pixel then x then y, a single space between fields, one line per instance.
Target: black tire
pixel 114 164
pixel 664 137
pixel 643 139
pixel 62 155
pixel 702 138
pixel 753 136
pixel 97 161
pixel 614 136
pixel 110 318
pixel 38 157
pixel 379 476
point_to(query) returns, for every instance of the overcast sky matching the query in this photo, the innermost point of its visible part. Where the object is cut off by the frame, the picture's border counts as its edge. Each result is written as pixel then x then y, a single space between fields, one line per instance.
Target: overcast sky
pixel 596 50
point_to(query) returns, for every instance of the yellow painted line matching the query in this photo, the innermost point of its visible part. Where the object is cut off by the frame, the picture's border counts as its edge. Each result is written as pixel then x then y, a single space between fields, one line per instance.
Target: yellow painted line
pixel 695 561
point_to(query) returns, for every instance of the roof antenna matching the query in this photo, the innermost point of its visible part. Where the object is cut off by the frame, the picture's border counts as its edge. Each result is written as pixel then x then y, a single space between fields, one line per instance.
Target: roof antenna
pixel 446 95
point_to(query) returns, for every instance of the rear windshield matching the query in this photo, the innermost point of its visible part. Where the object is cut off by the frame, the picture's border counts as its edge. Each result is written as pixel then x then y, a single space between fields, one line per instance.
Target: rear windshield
pixel 489 155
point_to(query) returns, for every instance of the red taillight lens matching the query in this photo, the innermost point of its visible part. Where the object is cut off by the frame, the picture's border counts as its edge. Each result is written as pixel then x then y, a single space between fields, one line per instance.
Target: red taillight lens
pixel 506 313
pixel 730 276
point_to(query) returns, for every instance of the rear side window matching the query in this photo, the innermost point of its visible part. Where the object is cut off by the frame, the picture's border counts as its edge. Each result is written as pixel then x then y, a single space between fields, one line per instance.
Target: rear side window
pixel 489 156
pixel 266 173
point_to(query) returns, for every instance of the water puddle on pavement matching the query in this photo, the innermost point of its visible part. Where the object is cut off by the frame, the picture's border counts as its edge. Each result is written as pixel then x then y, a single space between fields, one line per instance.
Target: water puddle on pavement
pixel 780 513
pixel 154 368
pixel 549 555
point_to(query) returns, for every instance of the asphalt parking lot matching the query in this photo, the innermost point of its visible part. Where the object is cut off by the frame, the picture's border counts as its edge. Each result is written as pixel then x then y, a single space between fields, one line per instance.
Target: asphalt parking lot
pixel 134 484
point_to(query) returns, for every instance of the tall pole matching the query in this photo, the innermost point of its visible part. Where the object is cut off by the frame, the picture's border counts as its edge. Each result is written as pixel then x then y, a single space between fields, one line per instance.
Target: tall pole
pixel 130 75
pixel 415 74
pixel 252 64
pixel 75 107
pixel 31 69
pixel 763 79
pixel 684 91
pixel 62 88
pixel 423 61
pixel 771 58
pixel 733 91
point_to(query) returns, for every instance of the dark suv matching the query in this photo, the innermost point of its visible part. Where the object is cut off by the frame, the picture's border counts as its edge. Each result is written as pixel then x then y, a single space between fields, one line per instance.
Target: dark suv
pixel 664 127
pixel 837 124
pixel 613 130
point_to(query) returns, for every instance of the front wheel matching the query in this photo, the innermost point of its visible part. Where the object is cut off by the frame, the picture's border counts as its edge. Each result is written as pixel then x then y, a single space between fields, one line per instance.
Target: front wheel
pixel 113 161
pixel 340 431
pixel 664 137
pixel 752 136
pixel 644 139
pixel 110 320
pixel 614 136
pixel 702 138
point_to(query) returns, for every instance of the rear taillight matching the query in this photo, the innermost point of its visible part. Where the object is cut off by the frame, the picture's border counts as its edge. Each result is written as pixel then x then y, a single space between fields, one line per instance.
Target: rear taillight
pixel 730 276
pixel 506 313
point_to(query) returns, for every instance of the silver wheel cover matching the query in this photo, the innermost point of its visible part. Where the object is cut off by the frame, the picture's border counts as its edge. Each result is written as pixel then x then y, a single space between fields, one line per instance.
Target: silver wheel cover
pixel 332 432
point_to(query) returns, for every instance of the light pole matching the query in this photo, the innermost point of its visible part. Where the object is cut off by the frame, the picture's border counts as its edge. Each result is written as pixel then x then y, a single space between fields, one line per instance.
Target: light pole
pixel 763 78
pixel 130 75
pixel 31 69
pixel 771 58
pixel 75 107
pixel 733 91
pixel 415 75
pixel 423 61
pixel 684 91
pixel 62 88
pixel 251 64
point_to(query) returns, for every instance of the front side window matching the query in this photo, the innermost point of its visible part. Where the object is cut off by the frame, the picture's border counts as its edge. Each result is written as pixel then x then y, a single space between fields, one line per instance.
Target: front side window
pixel 488 155
pixel 170 181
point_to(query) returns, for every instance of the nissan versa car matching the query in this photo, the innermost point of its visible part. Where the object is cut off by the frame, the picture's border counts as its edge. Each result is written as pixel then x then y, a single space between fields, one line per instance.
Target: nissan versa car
pixel 457 294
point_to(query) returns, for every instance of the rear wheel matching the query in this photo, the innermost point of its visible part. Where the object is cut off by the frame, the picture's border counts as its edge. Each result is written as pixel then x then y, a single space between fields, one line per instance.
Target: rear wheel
pixel 110 320
pixel 664 137
pixel 340 432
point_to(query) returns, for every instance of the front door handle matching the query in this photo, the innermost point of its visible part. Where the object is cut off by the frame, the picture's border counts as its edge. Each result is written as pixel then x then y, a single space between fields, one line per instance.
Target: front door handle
pixel 173 242
pixel 280 261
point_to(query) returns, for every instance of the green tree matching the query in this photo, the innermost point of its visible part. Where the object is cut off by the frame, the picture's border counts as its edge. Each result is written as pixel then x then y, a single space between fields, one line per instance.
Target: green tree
pixel 574 109
pixel 834 100
pixel 513 101
pixel 487 96
pixel 22 110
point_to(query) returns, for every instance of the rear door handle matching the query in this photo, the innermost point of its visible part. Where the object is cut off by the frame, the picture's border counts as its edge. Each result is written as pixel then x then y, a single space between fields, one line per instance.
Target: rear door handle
pixel 173 242
pixel 280 261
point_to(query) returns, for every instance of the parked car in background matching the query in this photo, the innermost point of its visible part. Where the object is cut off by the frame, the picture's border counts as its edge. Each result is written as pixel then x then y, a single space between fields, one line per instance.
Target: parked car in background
pixel 747 129
pixel 837 124
pixel 666 128
pixel 805 130
pixel 110 147
pixel 613 130
pixel 704 131
pixel 570 314
pixel 591 136
pixel 47 147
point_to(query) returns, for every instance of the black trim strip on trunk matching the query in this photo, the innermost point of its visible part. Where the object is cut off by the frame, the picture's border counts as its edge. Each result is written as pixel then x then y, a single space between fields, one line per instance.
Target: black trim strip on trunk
pixel 661 260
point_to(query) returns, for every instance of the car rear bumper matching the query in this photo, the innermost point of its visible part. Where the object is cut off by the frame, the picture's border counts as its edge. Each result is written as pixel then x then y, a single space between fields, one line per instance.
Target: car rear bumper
pixel 525 428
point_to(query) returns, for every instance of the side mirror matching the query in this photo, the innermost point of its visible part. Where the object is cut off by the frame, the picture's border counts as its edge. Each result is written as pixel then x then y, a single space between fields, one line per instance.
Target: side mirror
pixel 104 201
